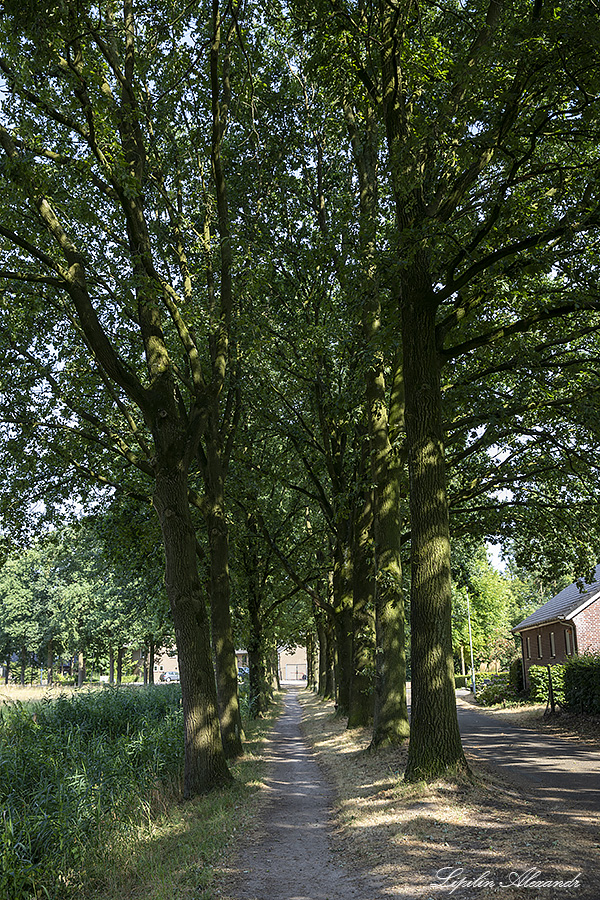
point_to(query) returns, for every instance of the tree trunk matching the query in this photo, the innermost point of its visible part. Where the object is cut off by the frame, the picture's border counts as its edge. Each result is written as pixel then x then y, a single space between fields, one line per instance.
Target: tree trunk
pixel 330 663
pixel 151 660
pixel 390 719
pixel 50 662
pixel 326 675
pixel 258 687
pixel 221 630
pixel 310 660
pixel 322 658
pixel 390 714
pixel 80 669
pixel 222 635
pixel 111 665
pixel 435 746
pixel 360 712
pixel 205 766
pixel 341 600
pixel 260 691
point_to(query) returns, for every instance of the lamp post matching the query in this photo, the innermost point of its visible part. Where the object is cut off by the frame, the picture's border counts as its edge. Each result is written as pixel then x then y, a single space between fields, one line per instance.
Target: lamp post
pixel 471 644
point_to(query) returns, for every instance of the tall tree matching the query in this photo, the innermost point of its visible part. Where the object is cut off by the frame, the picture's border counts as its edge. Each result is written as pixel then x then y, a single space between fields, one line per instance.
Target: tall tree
pixel 91 179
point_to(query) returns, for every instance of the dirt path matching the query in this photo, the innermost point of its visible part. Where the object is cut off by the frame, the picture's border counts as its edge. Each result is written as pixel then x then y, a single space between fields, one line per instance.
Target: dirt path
pixel 291 856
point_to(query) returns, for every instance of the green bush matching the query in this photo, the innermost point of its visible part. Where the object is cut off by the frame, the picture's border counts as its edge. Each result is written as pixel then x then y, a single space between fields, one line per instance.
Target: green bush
pixel 515 675
pixel 484 678
pixel 493 689
pixel 539 686
pixel 582 683
pixel 73 772
pixel 461 681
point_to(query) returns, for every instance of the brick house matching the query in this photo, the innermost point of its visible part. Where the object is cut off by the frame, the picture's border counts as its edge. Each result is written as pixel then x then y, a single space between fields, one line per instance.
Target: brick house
pixel 568 623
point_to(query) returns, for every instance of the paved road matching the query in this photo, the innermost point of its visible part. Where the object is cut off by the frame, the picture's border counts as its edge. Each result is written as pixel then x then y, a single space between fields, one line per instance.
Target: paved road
pixel 291 857
pixel 564 773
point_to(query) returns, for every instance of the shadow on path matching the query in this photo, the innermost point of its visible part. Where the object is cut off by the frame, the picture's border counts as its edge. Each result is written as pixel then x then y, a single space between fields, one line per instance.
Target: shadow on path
pixel 291 857
pixel 562 773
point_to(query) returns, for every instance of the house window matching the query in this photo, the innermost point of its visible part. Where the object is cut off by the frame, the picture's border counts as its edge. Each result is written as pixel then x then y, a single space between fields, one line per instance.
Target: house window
pixel 539 643
pixel 568 646
pixel 528 641
pixel 552 644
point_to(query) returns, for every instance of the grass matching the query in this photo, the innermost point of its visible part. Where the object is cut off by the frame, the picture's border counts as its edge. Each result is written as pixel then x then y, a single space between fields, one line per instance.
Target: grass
pixel 89 788
pixel 177 853
pixel 404 834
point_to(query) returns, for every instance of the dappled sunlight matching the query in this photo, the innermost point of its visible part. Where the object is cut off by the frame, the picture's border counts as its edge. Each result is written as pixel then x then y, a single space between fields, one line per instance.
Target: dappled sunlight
pixel 404 834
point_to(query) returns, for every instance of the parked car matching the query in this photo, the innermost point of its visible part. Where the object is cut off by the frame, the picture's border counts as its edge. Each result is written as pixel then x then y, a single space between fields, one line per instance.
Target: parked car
pixel 169 676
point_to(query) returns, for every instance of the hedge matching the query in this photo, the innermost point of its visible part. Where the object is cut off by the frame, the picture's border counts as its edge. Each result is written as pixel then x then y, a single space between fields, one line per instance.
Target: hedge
pixel 538 684
pixel 582 683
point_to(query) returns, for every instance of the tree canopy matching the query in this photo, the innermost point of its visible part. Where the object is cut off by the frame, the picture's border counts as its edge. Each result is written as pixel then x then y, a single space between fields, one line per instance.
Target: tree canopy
pixel 319 282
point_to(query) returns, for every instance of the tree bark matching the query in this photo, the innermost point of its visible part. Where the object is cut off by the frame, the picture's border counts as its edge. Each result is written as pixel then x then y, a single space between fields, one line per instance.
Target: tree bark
pixel 341 591
pixel 390 713
pixel 80 669
pixel 205 766
pixel 151 660
pixel 310 660
pixel 435 746
pixel 221 631
pixel 326 669
pixel 50 662
pixel 360 711
pixel 390 717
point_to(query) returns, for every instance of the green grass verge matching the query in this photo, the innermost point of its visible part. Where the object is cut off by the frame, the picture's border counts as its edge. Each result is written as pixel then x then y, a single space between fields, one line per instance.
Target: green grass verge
pixel 89 789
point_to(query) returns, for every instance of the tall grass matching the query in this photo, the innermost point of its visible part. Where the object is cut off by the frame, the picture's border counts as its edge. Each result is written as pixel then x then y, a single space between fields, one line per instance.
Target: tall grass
pixel 76 771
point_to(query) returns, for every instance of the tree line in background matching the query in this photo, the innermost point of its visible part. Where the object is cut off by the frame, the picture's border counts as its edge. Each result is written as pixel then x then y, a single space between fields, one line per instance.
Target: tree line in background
pixel 317 282
pixel 71 606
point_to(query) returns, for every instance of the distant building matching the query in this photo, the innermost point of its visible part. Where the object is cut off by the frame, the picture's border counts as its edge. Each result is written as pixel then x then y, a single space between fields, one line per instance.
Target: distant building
pixel 567 624
pixel 292 664
pixel 165 660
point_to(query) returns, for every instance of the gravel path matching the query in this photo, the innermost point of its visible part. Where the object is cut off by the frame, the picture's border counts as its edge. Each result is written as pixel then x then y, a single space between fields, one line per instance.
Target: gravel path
pixel 291 856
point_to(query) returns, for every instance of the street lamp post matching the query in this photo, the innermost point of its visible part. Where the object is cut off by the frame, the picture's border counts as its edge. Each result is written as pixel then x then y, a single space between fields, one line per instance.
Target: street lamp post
pixel 471 644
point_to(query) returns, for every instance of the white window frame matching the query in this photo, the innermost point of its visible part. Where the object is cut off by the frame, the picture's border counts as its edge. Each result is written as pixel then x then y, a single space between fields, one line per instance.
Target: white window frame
pixel 552 644
pixel 539 647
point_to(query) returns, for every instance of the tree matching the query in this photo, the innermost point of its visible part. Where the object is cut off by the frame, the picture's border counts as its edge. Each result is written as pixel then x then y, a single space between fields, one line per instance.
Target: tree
pixel 97 99
pixel 488 198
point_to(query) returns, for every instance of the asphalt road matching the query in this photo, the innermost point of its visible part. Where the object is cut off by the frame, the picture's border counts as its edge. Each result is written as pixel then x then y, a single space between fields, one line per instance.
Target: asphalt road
pixel 561 772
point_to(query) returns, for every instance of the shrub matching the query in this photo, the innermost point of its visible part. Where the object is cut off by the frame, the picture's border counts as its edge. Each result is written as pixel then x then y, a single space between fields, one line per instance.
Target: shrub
pixel 539 686
pixel 515 675
pixel 493 689
pixel 461 681
pixel 582 683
